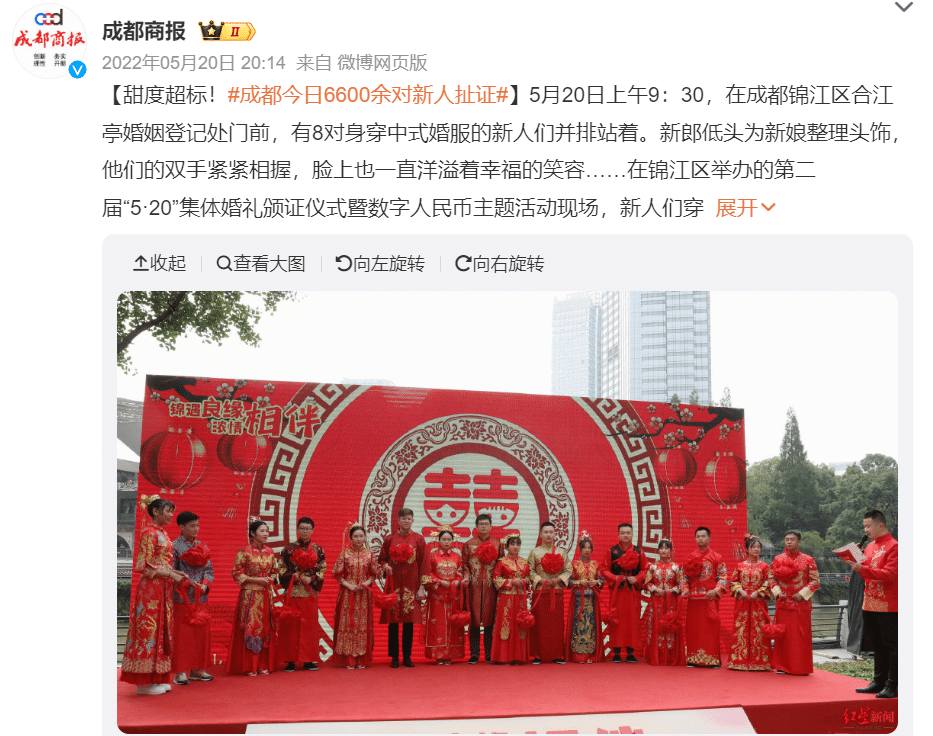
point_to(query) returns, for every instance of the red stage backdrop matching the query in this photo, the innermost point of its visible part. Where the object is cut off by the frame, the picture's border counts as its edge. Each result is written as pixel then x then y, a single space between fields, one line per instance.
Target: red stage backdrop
pixel 230 449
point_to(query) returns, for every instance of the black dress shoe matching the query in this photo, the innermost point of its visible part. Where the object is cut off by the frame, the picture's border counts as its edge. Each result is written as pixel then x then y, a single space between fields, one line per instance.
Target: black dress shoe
pixel 890 691
pixel 290 667
pixel 310 666
pixel 407 662
pixel 873 687
pixel 616 658
pixel 536 660
pixel 394 664
pixel 631 658
pixel 474 659
pixel 560 661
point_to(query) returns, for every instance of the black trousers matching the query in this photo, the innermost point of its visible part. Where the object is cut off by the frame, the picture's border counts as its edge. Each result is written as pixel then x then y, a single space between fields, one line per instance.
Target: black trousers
pixel 408 637
pixel 881 627
pixel 487 641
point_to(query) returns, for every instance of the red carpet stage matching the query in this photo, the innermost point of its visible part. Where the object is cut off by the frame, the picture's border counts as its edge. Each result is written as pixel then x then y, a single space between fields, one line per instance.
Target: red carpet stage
pixel 820 703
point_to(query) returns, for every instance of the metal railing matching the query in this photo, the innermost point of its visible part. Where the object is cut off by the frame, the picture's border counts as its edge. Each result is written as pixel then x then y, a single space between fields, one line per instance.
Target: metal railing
pixel 825 625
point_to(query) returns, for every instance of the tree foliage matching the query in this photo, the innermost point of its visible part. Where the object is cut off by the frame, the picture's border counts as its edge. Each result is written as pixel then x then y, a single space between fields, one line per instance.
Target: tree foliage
pixel 211 315
pixel 860 490
pixel 826 508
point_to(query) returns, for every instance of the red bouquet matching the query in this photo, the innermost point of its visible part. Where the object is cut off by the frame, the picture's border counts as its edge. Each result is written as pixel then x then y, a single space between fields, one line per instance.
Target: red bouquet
pixel 197 556
pixel 461 618
pixel 384 600
pixel 304 560
pixel 401 552
pixel 285 613
pixel 193 616
pixel 773 631
pixel 784 570
pixel 670 622
pixel 525 619
pixel 487 552
pixel 552 563
pixel 693 566
pixel 629 560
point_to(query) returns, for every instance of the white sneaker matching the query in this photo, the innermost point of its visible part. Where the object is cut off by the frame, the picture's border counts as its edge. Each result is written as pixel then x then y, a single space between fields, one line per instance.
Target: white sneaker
pixel 165 687
pixel 149 690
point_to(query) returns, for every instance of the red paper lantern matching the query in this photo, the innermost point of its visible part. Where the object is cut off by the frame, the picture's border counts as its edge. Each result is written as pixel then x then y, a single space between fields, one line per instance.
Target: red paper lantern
pixel 244 453
pixel 675 466
pixel 173 460
pixel 725 480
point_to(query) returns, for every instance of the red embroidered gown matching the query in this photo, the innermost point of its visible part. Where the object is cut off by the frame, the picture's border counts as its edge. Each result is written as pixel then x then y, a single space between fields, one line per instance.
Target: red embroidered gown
pixel 584 623
pixel 252 645
pixel 626 600
pixel 147 656
pixel 353 616
pixel 793 651
pixel 407 577
pixel 751 647
pixel 703 627
pixel 299 639
pixel 664 647
pixel 442 639
pixel 192 649
pixel 512 580
pixel 547 635
pixel 482 592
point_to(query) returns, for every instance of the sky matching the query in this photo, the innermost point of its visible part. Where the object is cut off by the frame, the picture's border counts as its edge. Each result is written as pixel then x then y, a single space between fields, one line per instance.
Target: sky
pixel 832 356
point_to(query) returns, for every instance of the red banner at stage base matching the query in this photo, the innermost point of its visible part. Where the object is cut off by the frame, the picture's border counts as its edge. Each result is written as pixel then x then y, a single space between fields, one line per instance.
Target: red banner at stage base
pixel 231 449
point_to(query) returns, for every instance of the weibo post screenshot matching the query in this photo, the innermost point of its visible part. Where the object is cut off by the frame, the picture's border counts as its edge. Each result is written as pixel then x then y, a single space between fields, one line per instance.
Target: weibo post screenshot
pixel 469 368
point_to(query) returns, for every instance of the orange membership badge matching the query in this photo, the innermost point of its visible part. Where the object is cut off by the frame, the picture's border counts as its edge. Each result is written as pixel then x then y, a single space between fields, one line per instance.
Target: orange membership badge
pixel 227 31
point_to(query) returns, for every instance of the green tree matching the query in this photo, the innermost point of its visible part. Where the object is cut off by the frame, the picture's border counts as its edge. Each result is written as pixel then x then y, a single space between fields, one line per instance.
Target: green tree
pixel 760 481
pixel 694 398
pixel 860 490
pixel 796 496
pixel 210 315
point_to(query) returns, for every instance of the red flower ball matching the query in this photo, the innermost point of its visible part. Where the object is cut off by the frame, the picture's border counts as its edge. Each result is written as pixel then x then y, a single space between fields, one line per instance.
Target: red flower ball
pixel 693 566
pixel 552 563
pixel 629 560
pixel 200 618
pixel 670 622
pixel 304 560
pixel 384 600
pixel 197 556
pixel 401 552
pixel 784 570
pixel 487 552
pixel 525 619
pixel 773 631
pixel 285 613
pixel 461 618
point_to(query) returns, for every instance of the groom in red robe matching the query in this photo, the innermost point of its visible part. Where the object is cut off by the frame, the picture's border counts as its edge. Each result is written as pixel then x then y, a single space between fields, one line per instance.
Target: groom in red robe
pixel 408 578
pixel 793 580
pixel 625 567
pixel 704 584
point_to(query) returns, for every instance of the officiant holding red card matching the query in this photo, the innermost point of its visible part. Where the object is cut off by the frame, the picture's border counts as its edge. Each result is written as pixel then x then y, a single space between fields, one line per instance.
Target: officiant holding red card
pixel 879 571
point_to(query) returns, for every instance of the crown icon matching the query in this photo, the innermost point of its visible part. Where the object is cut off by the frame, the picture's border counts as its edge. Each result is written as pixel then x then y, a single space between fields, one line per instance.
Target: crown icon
pixel 211 31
